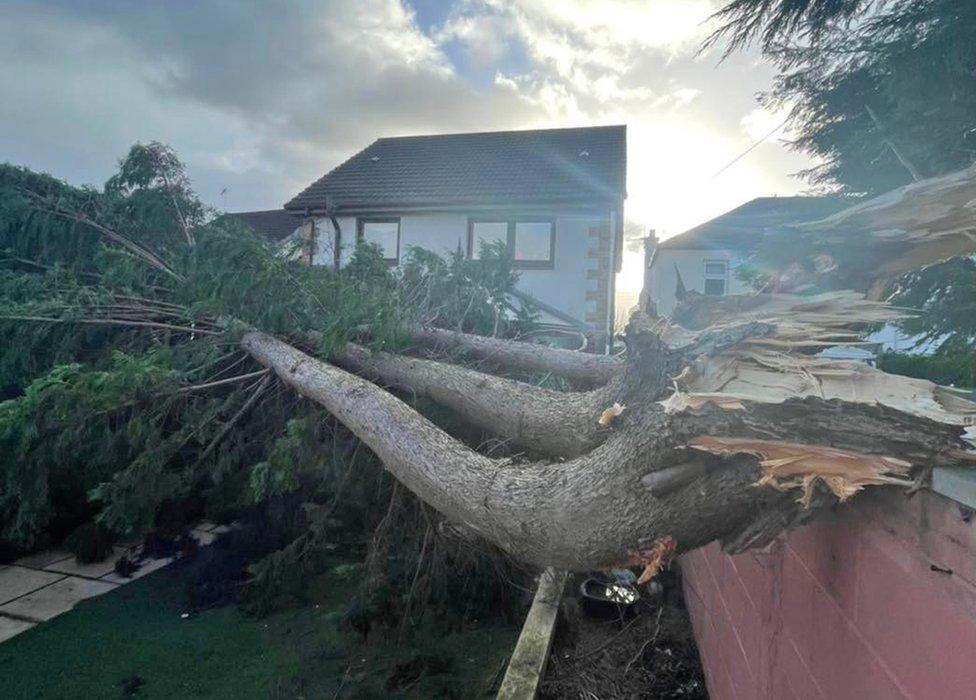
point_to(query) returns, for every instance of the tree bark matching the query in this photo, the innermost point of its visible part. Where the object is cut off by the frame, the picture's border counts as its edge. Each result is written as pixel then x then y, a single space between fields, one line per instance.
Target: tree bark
pixel 583 369
pixel 595 511
pixel 561 424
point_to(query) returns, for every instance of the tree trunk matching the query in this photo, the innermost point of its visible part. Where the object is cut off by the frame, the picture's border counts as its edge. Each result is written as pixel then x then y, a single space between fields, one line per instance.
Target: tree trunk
pixel 561 424
pixel 583 369
pixel 600 509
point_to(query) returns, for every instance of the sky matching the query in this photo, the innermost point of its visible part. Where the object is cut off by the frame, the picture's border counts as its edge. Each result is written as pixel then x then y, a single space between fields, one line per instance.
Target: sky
pixel 260 98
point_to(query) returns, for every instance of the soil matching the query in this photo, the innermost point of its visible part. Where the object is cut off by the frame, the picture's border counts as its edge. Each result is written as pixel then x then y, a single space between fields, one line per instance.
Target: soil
pixel 646 651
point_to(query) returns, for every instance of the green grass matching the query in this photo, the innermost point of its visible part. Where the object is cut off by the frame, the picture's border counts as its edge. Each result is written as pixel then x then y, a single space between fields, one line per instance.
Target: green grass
pixel 133 643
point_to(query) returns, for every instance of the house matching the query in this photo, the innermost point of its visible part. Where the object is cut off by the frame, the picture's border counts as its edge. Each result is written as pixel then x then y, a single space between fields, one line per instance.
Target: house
pixel 554 197
pixel 274 224
pixel 707 255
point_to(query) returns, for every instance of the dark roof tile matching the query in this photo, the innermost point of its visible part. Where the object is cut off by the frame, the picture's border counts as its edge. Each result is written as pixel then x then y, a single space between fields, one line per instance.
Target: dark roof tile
pixel 502 167
pixel 274 224
pixel 743 227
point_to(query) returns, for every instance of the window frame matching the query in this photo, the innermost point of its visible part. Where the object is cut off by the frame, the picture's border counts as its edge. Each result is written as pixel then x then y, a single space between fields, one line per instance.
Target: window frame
pixel 511 226
pixel 472 220
pixel 723 278
pixel 361 233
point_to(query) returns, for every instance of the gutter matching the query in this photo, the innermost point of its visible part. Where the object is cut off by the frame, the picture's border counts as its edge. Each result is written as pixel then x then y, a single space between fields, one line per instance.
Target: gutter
pixel 573 206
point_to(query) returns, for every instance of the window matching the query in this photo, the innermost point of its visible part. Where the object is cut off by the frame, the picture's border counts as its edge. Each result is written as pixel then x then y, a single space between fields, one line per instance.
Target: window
pixel 383 233
pixel 484 232
pixel 530 242
pixel 716 277
pixel 533 243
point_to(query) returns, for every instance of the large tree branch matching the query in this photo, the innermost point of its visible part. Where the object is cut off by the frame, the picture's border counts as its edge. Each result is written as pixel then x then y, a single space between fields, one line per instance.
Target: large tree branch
pixel 556 423
pixel 584 369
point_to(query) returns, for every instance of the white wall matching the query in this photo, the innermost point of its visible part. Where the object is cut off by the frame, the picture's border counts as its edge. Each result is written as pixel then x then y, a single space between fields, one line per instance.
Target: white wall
pixel 563 287
pixel 691 265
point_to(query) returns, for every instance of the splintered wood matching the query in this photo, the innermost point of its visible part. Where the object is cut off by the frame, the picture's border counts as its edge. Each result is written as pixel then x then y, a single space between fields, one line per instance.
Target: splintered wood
pixel 608 414
pixel 777 366
pixel 908 228
pixel 653 558
pixel 788 465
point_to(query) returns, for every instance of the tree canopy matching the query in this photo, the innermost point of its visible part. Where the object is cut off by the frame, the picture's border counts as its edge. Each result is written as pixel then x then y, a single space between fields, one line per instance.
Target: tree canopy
pixel 881 93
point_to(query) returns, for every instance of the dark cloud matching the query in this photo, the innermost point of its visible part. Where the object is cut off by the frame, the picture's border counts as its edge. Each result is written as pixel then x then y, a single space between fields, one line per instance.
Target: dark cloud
pixel 262 97
pixel 259 96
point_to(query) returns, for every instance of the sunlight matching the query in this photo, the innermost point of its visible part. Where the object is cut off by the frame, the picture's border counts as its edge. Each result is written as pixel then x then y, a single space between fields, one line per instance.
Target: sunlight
pixel 672 186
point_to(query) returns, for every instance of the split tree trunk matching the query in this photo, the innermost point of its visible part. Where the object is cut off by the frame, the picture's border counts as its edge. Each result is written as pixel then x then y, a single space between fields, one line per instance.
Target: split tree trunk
pixel 648 479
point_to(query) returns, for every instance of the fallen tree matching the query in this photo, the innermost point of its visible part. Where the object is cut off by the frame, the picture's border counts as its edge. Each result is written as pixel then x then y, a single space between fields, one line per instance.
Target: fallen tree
pixel 727 427
pixel 662 471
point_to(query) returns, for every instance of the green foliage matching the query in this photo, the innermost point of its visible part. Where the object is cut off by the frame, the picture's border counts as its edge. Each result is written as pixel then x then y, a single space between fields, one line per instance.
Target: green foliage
pixel 879 92
pixel 945 295
pixel 874 89
pixel 947 369
pixel 89 543
pixel 70 431
pixel 772 21
pixel 461 293
pixel 129 404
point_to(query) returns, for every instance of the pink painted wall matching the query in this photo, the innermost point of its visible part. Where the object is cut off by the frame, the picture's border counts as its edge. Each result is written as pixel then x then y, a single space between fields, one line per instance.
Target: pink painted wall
pixel 845 608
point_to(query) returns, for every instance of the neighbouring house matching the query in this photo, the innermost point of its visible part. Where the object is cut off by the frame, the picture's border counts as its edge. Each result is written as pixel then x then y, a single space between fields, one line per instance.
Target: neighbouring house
pixel 274 224
pixel 554 197
pixel 707 255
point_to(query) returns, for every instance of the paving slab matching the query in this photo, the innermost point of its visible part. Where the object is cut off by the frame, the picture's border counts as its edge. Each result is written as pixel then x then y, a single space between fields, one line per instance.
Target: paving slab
pixel 147 566
pixel 38 560
pixel 10 627
pixel 15 581
pixel 96 570
pixel 59 597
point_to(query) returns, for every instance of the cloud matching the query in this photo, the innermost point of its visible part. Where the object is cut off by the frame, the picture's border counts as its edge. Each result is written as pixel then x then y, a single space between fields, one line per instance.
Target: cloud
pixel 765 123
pixel 260 96
pixel 263 97
pixel 583 52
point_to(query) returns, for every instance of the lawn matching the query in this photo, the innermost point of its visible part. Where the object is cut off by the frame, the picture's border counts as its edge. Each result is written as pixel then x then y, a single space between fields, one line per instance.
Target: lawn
pixel 136 643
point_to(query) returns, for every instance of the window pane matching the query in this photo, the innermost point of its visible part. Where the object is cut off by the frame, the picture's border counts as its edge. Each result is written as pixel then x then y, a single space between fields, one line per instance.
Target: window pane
pixel 716 269
pixel 533 240
pixel 384 234
pixel 715 288
pixel 483 232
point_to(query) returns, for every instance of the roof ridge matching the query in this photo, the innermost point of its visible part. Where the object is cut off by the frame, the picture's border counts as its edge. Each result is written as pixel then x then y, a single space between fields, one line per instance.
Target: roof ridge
pixel 279 210
pixel 502 131
pixel 541 164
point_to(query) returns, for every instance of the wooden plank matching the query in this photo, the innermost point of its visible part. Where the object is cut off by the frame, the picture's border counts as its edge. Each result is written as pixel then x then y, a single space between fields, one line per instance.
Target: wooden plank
pixel 528 663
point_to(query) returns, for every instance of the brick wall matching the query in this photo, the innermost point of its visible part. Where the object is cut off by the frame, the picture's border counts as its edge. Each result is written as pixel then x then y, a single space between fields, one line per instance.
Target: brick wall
pixel 877 603
pixel 598 277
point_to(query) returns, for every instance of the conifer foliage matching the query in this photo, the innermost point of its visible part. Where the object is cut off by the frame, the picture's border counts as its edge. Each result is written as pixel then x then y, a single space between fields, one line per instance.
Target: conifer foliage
pixel 124 395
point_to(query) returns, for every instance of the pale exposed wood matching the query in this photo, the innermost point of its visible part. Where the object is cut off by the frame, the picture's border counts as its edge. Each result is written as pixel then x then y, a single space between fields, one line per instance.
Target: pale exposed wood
pixel 776 367
pixel 920 224
pixel 528 663
pixel 789 465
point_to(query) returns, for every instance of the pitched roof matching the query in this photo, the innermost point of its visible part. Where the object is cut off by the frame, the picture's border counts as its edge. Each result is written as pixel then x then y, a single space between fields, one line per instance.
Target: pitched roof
pixel 500 167
pixel 743 227
pixel 274 224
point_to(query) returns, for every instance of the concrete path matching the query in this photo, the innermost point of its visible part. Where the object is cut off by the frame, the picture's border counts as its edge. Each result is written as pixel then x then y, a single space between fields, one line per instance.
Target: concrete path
pixel 43 585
